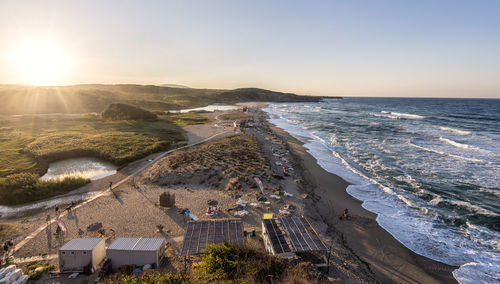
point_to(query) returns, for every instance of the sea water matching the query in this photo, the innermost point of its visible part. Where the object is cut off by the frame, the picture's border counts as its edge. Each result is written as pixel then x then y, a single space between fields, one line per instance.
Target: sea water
pixel 429 168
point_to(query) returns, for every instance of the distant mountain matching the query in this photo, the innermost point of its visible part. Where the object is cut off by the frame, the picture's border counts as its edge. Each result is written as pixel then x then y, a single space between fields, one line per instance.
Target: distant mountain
pixel 17 99
pixel 174 86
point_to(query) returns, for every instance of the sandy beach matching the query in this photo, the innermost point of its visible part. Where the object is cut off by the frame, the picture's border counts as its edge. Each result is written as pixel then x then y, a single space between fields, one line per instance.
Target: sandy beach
pixel 361 250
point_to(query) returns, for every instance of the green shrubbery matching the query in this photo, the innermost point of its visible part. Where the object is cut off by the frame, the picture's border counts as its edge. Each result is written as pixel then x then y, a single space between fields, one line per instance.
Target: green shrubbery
pixel 35 269
pixel 127 112
pixel 26 187
pixel 154 278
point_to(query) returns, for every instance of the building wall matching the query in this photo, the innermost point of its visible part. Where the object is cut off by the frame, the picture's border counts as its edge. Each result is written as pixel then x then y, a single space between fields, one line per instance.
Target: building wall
pixel 74 260
pixel 126 257
pixel 98 254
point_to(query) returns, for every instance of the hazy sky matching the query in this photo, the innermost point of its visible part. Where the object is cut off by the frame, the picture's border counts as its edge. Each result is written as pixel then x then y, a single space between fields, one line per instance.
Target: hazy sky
pixel 347 48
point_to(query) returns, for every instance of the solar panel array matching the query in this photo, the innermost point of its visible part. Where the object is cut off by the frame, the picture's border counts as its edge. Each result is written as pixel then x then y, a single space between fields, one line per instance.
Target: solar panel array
pixel 293 234
pixel 276 236
pixel 200 234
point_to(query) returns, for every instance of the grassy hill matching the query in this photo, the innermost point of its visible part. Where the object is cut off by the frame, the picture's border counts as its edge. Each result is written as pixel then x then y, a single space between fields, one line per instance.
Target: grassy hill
pixel 95 98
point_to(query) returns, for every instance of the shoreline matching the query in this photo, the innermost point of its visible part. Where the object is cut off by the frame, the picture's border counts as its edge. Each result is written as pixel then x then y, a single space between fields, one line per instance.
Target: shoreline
pixel 387 258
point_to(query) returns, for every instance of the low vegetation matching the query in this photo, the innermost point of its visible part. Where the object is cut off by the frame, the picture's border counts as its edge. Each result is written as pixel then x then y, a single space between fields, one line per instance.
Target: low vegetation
pixel 234 116
pixel 7 231
pixel 188 118
pixel 26 187
pixel 227 263
pixel 127 112
pixel 36 269
pixel 230 163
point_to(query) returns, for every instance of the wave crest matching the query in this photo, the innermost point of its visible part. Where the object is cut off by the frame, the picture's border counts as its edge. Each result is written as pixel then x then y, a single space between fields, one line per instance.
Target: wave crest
pixel 449 129
pixel 403 115
pixel 460 145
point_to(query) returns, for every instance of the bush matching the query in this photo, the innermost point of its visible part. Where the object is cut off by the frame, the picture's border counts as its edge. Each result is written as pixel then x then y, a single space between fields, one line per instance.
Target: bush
pixel 145 278
pixel 227 262
pixel 35 269
pixel 26 187
pixel 127 112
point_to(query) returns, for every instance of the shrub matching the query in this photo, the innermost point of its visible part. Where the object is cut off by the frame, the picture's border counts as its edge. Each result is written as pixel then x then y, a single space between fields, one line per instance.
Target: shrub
pixel 35 269
pixel 26 187
pixel 127 112
pixel 146 278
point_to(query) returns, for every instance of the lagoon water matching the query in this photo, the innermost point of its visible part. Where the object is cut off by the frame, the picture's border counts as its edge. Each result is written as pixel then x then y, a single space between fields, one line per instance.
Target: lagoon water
pixel 430 169
pixel 86 167
pixel 210 108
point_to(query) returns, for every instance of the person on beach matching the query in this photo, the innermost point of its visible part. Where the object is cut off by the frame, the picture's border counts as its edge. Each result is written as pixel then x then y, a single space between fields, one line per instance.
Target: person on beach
pixel 110 185
pixel 344 215
pixel 48 219
pixel 57 210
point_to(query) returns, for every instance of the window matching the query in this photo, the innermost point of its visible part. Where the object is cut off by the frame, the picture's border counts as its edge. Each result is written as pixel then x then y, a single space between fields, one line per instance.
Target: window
pixel 63 252
pixel 84 252
pixel 72 252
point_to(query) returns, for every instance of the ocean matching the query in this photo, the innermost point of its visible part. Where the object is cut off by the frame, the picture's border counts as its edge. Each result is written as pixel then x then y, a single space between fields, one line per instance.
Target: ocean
pixel 429 168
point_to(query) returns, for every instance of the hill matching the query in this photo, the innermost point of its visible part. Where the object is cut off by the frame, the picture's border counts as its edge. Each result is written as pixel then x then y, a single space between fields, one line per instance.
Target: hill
pixel 95 98
pixel 127 112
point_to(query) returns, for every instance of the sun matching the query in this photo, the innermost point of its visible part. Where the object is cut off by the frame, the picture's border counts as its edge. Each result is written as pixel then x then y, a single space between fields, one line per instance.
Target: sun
pixel 39 62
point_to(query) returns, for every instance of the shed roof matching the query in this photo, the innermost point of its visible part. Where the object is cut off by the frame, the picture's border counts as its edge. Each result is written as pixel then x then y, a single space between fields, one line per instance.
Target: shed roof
pixel 137 244
pixel 293 234
pixel 202 233
pixel 82 244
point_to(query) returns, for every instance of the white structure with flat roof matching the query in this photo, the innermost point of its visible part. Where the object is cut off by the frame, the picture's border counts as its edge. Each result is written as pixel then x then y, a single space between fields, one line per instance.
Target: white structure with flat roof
pixel 138 251
pixel 78 253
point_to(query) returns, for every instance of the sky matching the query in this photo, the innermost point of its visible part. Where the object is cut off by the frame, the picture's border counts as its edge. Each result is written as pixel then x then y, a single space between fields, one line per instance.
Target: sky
pixel 338 48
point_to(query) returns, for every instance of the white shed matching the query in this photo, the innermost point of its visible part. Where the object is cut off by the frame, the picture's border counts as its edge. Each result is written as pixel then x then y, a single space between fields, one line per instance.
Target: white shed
pixel 78 253
pixel 138 251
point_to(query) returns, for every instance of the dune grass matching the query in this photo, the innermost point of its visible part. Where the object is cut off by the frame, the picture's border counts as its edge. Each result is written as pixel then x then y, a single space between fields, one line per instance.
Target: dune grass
pixel 7 231
pixel 188 118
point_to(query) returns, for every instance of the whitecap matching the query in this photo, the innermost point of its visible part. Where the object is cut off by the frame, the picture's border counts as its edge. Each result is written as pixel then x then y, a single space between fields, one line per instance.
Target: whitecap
pixel 460 145
pixel 461 132
pixel 403 115
pixel 447 154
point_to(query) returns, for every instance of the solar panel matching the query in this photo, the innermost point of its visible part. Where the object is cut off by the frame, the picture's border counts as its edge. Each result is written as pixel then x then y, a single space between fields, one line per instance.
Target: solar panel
pixel 202 233
pixel 276 236
pixel 292 234
pixel 302 236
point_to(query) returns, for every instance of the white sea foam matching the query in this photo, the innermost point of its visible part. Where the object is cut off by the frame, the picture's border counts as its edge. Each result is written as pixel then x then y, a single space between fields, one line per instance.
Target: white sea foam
pixel 448 154
pixel 460 145
pixel 403 115
pixel 461 132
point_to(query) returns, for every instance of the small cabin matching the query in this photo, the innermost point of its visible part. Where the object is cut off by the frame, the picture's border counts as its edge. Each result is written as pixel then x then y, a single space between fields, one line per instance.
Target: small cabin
pixel 136 251
pixel 79 253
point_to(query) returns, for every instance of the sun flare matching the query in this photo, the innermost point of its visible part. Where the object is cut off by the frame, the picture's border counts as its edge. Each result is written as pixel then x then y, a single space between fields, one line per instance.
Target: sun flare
pixel 40 62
